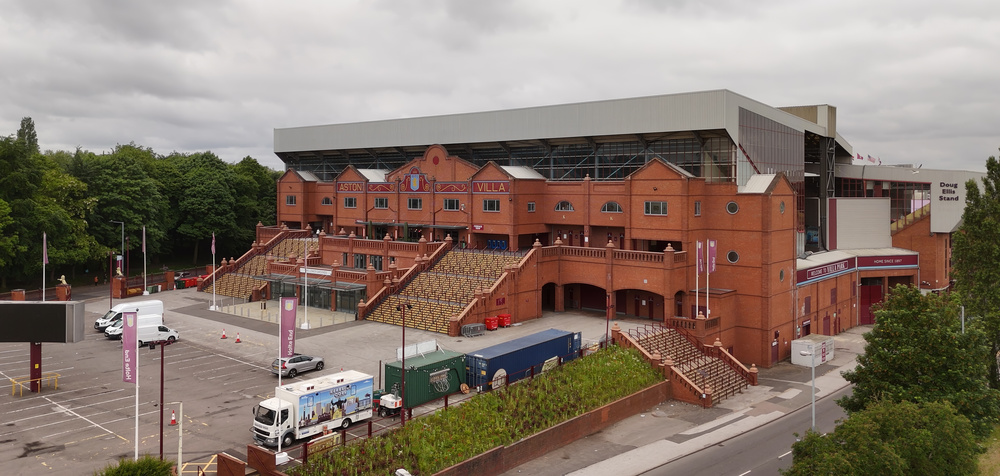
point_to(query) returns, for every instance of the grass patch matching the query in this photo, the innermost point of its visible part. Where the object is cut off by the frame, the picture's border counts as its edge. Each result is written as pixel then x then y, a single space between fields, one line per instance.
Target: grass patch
pixel 989 461
pixel 452 435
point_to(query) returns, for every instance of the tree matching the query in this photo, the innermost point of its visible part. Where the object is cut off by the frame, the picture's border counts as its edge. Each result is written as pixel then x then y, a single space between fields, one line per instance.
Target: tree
pixel 26 133
pixel 917 352
pixel 976 257
pixel 208 205
pixel 891 438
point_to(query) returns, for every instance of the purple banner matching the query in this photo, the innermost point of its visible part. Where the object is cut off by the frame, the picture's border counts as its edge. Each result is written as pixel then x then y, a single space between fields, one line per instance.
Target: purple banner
pixel 700 253
pixel 129 359
pixel 711 256
pixel 287 338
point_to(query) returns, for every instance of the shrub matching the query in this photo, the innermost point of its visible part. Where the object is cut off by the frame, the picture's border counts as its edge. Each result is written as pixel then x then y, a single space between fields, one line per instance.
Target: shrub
pixel 501 417
pixel 144 466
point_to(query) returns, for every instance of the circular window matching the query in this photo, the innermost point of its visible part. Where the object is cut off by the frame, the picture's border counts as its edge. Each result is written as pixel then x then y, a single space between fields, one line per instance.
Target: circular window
pixel 733 256
pixel 732 208
pixel 781 207
pixel 781 275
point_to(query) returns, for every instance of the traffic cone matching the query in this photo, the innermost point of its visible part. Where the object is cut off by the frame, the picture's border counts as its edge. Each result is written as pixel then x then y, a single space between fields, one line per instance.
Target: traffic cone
pixel 173 418
pixel 223 333
pixel 238 338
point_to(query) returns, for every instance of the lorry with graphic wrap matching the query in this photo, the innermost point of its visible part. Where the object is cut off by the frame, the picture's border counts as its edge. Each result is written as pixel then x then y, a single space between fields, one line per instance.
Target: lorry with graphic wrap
pixel 301 410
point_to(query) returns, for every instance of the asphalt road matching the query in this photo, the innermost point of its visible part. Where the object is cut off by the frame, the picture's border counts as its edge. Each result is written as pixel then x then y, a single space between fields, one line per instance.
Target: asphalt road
pixel 762 451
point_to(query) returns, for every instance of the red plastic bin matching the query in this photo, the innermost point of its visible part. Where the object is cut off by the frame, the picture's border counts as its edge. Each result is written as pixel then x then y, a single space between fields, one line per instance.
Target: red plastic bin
pixel 492 323
pixel 504 320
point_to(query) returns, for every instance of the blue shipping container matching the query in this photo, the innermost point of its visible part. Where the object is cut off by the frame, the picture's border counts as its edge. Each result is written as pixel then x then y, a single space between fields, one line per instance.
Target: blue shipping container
pixel 519 358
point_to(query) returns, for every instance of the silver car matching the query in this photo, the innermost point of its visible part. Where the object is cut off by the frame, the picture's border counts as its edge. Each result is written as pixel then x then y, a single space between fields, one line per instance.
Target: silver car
pixel 298 363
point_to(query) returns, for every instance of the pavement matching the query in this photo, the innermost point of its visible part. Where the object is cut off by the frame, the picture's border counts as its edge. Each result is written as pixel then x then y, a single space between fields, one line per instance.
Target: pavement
pixel 633 446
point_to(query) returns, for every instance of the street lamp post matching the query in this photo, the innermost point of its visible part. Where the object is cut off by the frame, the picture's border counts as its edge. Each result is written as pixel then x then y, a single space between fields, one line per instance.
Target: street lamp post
pixel 812 358
pixel 402 365
pixel 123 237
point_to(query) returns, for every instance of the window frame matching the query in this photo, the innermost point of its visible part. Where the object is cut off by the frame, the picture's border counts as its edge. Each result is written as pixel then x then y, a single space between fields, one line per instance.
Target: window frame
pixel 648 208
pixel 411 201
pixel 456 204
pixel 606 209
pixel 697 208
pixel 350 202
pixel 531 207
pixel 491 201
pixel 381 200
pixel 564 206
pixel 326 201
pixel 290 200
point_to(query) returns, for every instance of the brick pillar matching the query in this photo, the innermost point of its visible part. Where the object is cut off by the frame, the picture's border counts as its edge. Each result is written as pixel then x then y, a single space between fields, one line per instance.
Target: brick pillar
pixel 422 246
pixel 17 295
pixel 36 366
pixel 64 292
pixel 560 304
pixel 170 277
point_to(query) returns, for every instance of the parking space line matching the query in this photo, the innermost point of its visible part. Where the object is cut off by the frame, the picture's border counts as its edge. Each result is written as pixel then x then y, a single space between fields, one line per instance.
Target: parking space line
pixel 255 377
pixel 71 412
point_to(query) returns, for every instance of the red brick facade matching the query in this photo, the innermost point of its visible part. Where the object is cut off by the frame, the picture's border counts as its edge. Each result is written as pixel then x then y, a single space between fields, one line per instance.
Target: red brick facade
pixel 629 242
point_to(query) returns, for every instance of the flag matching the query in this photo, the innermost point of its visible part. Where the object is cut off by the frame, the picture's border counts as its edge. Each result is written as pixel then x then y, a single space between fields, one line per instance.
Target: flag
pixel 711 256
pixel 143 238
pixel 288 311
pixel 871 159
pixel 859 157
pixel 213 243
pixel 129 358
pixel 700 258
pixel 45 249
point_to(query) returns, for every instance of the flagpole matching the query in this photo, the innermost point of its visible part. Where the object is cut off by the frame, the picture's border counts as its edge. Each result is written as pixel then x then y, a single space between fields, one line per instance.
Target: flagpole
pixel 215 277
pixel 45 260
pixel 145 285
pixel 136 355
pixel 699 254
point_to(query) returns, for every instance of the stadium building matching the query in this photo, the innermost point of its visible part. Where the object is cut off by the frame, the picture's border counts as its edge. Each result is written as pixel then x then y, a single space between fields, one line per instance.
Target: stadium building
pixel 705 211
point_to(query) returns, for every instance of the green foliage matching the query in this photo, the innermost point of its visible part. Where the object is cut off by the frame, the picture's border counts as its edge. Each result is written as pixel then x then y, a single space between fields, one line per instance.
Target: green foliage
pixel 72 197
pixel 452 435
pixel 891 438
pixel 976 256
pixel 144 466
pixel 916 352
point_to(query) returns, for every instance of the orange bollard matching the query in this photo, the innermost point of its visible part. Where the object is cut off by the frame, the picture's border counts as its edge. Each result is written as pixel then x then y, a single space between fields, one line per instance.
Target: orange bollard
pixel 173 418
pixel 223 333
pixel 238 338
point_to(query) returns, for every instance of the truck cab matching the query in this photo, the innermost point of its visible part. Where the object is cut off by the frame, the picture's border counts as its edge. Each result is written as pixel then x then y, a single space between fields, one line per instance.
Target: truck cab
pixel 266 430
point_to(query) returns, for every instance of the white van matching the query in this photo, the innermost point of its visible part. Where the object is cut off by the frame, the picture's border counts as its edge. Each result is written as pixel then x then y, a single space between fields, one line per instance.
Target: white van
pixel 114 331
pixel 141 308
pixel 147 334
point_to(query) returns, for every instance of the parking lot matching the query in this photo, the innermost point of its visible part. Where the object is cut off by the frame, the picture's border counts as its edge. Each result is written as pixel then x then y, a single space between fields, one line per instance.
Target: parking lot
pixel 89 421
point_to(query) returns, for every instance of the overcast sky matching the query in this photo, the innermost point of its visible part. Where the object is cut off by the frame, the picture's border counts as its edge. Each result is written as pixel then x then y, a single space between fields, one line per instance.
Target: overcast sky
pixel 913 81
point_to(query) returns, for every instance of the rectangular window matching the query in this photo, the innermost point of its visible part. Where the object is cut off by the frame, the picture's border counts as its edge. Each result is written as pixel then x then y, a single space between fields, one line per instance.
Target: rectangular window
pixel 376 262
pixel 531 207
pixel 656 208
pixel 289 199
pixel 697 209
pixel 491 205
pixel 451 204
pixel 350 202
pixel 359 261
pixel 381 203
pixel 415 203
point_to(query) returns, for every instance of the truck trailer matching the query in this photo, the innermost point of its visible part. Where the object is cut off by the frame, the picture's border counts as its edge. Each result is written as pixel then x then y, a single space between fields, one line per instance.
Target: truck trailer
pixel 513 360
pixel 313 407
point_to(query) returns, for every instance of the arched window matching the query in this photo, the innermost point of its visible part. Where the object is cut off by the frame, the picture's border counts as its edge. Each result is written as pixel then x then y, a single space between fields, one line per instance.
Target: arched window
pixel 611 207
pixel 327 201
pixel 564 206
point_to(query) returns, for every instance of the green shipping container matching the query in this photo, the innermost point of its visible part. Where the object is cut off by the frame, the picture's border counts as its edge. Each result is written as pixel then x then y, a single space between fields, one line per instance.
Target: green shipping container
pixel 428 376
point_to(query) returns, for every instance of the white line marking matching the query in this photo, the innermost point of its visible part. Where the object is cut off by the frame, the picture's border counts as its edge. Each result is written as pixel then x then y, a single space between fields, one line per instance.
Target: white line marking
pixel 782 456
